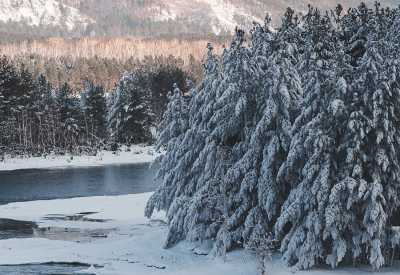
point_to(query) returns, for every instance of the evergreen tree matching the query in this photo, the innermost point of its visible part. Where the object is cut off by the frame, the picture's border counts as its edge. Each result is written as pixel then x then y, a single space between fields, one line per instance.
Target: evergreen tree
pixel 25 109
pixel 292 139
pixel 175 120
pixel 94 106
pixel 253 195
pixel 130 118
pixel 393 39
pixel 159 79
pixel 362 205
pixel 45 113
pixel 69 117
pixel 171 132
pixel 9 82
pixel 178 189
pixel 234 110
pixel 309 171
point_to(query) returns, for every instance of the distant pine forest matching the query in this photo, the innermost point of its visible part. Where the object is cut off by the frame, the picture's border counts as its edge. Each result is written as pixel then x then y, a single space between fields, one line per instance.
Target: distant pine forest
pixel 82 116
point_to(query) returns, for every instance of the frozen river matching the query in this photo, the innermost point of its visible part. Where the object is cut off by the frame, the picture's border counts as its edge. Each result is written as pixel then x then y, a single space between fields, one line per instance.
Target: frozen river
pixel 44 184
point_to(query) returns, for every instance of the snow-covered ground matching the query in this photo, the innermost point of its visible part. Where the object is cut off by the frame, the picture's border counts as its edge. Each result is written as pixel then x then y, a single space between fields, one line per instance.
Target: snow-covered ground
pixel 133 245
pixel 137 154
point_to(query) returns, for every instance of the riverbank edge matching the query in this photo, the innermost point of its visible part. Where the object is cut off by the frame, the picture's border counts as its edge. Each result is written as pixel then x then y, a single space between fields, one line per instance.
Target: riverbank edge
pixel 126 155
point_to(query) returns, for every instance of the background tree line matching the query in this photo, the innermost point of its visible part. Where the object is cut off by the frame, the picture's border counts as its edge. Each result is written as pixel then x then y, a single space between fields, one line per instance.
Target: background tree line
pixel 38 118
pixel 101 62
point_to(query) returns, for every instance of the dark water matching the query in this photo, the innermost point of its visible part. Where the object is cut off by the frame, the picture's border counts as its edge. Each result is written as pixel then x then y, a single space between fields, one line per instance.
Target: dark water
pixel 43 184
pixel 44 269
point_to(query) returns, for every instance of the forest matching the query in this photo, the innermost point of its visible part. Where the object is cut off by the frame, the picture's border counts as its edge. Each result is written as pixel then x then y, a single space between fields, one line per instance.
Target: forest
pixel 284 142
pixel 38 118
pixel 103 61
pixel 291 143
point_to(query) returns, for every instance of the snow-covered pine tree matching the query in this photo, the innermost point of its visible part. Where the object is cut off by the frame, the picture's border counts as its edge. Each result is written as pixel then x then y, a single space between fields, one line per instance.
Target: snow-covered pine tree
pixel 177 188
pixel 310 177
pixel 236 96
pixel 343 177
pixel 290 33
pixel 224 133
pixel 252 193
pixel 94 107
pixel 175 119
pixel 43 108
pixel 364 202
pixel 232 117
pixel 309 169
pixel 8 101
pixel 68 109
pixel 115 113
pixel 262 37
pixel 130 116
pixel 170 133
pixel 316 67
pixel 393 39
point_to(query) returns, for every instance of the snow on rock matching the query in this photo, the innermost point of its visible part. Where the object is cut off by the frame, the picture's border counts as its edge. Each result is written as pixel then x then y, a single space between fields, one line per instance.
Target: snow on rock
pixel 136 154
pixel 42 12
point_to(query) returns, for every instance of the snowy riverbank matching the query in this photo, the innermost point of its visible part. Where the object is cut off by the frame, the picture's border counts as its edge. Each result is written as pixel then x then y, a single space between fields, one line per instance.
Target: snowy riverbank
pixel 136 154
pixel 133 244
pixel 126 243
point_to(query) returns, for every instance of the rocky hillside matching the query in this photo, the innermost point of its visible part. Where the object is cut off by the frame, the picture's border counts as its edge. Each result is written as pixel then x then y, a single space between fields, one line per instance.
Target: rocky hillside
pixel 22 19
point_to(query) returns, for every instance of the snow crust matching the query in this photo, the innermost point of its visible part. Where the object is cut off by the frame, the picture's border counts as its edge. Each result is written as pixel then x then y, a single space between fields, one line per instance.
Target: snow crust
pixel 136 154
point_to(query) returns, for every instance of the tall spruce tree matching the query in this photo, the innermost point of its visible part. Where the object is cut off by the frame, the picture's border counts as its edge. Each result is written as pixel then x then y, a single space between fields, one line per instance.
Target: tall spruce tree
pixel 309 170
pixel 9 82
pixel 46 115
pixel 130 117
pixel 362 205
pixel 178 189
pixel 94 107
pixel 249 183
pixel 69 111
pixel 175 119
pixel 171 132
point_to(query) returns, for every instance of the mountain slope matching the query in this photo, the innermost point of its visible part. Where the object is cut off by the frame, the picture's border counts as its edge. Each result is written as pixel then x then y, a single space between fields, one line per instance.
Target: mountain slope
pixel 146 18
pixel 42 13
